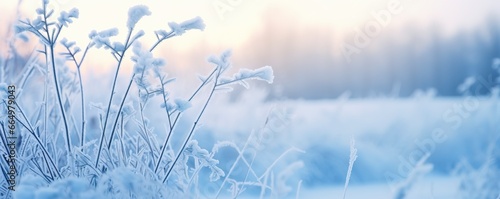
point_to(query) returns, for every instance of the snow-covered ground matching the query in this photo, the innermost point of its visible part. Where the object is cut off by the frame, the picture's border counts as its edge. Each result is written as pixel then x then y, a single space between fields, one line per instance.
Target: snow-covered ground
pixel 460 134
pixel 428 187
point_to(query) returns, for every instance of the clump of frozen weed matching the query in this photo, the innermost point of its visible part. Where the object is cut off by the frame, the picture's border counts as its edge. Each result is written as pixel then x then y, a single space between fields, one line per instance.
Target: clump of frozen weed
pixel 122 162
pixel 483 181
pixel 245 175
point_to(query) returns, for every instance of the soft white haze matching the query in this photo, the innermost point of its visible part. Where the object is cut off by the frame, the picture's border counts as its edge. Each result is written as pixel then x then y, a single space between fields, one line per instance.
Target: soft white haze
pixel 246 16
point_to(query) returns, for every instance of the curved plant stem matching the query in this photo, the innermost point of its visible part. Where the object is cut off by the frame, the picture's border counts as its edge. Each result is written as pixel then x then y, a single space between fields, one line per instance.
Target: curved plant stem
pixel 101 140
pixel 188 138
pixel 59 98
pixel 177 117
pixel 119 110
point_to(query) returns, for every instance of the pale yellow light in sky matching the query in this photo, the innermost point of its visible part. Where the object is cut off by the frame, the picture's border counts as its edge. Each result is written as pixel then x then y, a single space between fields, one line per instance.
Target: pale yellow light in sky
pixel 237 24
pixel 226 27
pixel 231 25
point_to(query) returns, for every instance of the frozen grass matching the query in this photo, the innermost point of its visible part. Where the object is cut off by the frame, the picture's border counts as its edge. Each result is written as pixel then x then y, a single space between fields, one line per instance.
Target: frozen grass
pixel 60 155
pixel 142 141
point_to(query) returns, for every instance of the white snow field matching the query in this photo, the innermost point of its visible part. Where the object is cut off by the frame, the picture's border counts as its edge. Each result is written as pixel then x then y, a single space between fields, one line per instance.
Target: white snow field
pixel 459 134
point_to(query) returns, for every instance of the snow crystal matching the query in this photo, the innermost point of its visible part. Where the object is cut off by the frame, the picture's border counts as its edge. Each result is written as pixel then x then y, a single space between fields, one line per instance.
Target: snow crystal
pixel 135 14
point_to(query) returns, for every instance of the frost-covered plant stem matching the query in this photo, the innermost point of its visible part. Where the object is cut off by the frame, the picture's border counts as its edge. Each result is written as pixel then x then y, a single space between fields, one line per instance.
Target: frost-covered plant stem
pixel 352 158
pixel 169 35
pixel 82 139
pixel 130 84
pixel 82 98
pixel 297 194
pixel 101 141
pixel 52 41
pixel 266 174
pixel 30 129
pixel 119 111
pixel 219 71
pixel 178 115
pixel 170 125
pixel 233 166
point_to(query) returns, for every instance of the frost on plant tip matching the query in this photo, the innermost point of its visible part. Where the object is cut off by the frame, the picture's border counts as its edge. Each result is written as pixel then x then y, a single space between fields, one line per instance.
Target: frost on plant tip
pixel 222 61
pixel 101 38
pixel 66 17
pixel 206 159
pixel 352 158
pixel 135 14
pixel 144 60
pixel 118 46
pixel 37 23
pixel 265 73
pixel 195 23
pixel 66 43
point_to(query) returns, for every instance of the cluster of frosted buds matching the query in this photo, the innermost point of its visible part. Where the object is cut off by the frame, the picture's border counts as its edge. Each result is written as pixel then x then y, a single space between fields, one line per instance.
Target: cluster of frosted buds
pixel 66 17
pixel 100 39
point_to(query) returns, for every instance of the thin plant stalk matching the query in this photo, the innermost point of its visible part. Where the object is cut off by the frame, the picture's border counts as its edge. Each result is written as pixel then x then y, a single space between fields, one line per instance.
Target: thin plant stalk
pixel 119 110
pixel 177 117
pixel 188 138
pixel 82 98
pixel 101 140
pixel 56 82
pixel 30 129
